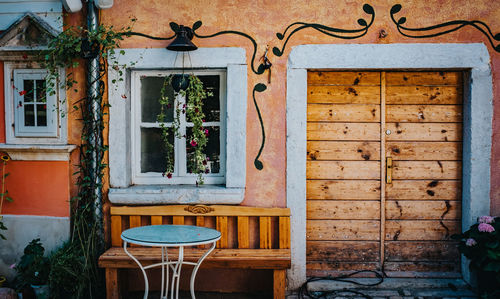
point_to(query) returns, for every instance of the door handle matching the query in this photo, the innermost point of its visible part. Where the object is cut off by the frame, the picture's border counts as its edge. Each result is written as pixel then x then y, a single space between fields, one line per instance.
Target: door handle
pixel 388 170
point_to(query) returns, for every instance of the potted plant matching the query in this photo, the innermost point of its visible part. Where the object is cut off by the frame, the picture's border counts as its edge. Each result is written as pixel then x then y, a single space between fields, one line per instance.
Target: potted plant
pixel 481 245
pixel 33 269
pixel 191 87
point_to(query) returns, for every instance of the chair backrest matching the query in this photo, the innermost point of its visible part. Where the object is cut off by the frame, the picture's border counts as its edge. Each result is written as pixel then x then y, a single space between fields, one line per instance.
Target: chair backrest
pixel 240 227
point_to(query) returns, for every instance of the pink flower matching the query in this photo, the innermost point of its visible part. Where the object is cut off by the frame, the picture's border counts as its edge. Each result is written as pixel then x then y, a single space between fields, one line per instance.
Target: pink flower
pixel 206 132
pixel 486 219
pixel 485 228
pixel 12 266
pixel 193 143
pixel 470 242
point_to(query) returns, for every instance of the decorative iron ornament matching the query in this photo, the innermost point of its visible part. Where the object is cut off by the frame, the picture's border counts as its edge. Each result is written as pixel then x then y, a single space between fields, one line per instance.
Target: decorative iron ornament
pixel 259 87
pixel 330 31
pixel 446 27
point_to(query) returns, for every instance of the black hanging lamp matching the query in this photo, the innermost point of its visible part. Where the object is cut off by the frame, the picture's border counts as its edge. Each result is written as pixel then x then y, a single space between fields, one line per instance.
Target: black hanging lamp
pixel 182 41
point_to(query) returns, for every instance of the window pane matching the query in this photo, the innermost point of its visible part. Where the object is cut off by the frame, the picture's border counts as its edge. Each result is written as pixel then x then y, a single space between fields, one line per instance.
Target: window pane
pixel 40 91
pixel 211 105
pixel 153 153
pixel 150 94
pixel 212 150
pixel 29 115
pixel 28 91
pixel 41 115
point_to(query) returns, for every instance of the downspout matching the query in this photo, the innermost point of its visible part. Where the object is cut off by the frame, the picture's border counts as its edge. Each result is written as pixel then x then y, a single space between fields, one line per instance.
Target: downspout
pixel 94 102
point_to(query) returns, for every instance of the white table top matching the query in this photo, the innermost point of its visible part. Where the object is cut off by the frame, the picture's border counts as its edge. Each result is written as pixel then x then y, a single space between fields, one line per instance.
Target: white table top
pixel 170 235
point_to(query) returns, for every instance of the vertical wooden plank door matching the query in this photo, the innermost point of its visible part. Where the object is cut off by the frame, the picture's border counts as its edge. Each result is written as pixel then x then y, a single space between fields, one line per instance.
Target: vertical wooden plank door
pixel 357 221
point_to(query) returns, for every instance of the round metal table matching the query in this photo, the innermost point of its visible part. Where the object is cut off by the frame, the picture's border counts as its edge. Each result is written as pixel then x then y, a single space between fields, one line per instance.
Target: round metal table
pixel 165 236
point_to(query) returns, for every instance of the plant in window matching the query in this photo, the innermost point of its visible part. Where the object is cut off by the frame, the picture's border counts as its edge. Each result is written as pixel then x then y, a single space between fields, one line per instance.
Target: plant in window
pixel 193 109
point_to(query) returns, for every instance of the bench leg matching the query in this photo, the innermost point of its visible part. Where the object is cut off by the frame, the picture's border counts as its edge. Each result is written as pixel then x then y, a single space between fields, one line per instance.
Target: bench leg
pixel 279 282
pixel 112 284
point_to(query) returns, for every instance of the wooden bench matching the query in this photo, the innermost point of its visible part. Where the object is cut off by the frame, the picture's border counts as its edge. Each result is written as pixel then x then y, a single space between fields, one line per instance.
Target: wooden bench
pixel 251 238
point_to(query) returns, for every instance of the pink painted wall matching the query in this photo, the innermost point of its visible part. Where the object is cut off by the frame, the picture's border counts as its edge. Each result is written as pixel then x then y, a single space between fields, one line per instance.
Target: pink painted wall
pixel 262 19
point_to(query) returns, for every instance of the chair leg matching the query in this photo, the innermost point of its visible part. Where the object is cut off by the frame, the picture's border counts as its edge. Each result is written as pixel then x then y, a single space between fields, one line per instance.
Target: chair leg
pixel 112 284
pixel 279 283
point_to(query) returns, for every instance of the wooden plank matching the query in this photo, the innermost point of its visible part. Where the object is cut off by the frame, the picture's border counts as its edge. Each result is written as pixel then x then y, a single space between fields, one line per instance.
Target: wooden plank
pixel 419 251
pixel 336 209
pixel 343 131
pixel 425 189
pixel 343 78
pixel 221 226
pixel 424 113
pixel 427 170
pixel 425 131
pixel 426 151
pixel 156 220
pixel 184 210
pixel 112 284
pixel 384 177
pixel 343 150
pixel 428 95
pixel 342 170
pixel 421 230
pixel 343 251
pixel 265 232
pixel 115 257
pixel 116 230
pixel 423 269
pixel 284 232
pixel 335 268
pixel 200 221
pixel 424 78
pixel 243 233
pixel 178 220
pixel 343 189
pixel 343 94
pixel 279 284
pixel 343 113
pixel 353 230
pixel 134 221
pixel 406 210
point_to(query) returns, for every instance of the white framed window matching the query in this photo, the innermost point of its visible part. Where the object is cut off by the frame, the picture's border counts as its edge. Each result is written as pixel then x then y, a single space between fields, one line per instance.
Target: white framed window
pixel 148 151
pixel 32 112
pixel 131 182
pixel 35 107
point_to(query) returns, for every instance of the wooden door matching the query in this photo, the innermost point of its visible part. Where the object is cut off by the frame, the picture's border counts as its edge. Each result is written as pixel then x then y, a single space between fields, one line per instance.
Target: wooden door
pixel 357 221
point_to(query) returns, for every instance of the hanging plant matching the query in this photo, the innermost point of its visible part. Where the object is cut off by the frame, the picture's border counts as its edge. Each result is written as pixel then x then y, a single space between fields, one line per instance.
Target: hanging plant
pixel 194 94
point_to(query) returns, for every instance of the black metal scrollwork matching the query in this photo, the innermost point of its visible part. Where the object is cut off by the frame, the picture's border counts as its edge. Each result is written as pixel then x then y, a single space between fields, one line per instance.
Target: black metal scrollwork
pixel 446 27
pixel 330 31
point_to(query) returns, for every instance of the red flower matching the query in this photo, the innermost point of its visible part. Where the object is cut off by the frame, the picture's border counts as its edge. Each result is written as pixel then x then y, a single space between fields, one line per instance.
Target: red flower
pixel 22 92
pixel 204 162
pixel 206 170
pixel 124 96
pixel 193 143
pixel 196 110
pixel 25 56
pixel 169 175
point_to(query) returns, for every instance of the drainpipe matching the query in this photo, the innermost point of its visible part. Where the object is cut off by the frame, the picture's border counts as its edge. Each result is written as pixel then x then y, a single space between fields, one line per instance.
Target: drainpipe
pixel 94 107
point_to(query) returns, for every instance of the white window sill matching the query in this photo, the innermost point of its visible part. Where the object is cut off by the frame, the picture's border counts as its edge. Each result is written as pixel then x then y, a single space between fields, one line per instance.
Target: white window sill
pixel 31 152
pixel 178 194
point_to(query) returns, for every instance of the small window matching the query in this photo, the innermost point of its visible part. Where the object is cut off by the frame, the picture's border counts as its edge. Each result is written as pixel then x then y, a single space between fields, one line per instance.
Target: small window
pixel 35 110
pixel 149 153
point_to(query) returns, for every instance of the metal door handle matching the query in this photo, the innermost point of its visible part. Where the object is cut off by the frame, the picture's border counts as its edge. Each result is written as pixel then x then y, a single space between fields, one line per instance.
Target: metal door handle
pixel 388 170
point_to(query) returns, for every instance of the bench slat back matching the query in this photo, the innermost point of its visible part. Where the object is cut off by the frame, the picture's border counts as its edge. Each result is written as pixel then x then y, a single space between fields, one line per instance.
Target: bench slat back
pixel 240 227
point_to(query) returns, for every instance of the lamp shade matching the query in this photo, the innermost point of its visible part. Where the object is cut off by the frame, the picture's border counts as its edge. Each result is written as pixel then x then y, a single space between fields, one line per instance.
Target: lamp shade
pixel 182 41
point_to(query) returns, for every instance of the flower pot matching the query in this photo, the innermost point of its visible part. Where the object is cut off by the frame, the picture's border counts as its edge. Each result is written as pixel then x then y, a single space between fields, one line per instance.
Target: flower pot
pixel 41 291
pixel 487 283
pixel 180 82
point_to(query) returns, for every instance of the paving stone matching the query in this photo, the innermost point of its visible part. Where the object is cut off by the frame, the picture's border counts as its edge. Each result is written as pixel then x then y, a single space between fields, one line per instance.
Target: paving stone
pixel 443 293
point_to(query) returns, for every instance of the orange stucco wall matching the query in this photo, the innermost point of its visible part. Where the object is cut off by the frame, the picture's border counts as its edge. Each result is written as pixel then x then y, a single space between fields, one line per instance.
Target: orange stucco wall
pixel 37 188
pixel 263 19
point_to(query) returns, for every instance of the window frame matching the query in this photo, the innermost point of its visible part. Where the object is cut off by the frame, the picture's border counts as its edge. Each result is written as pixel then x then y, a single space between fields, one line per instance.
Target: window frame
pixel 20 129
pixel 180 177
pixel 58 133
pixel 122 190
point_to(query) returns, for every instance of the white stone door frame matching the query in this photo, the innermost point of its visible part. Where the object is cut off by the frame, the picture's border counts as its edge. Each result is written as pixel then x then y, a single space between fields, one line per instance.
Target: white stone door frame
pixel 478 111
